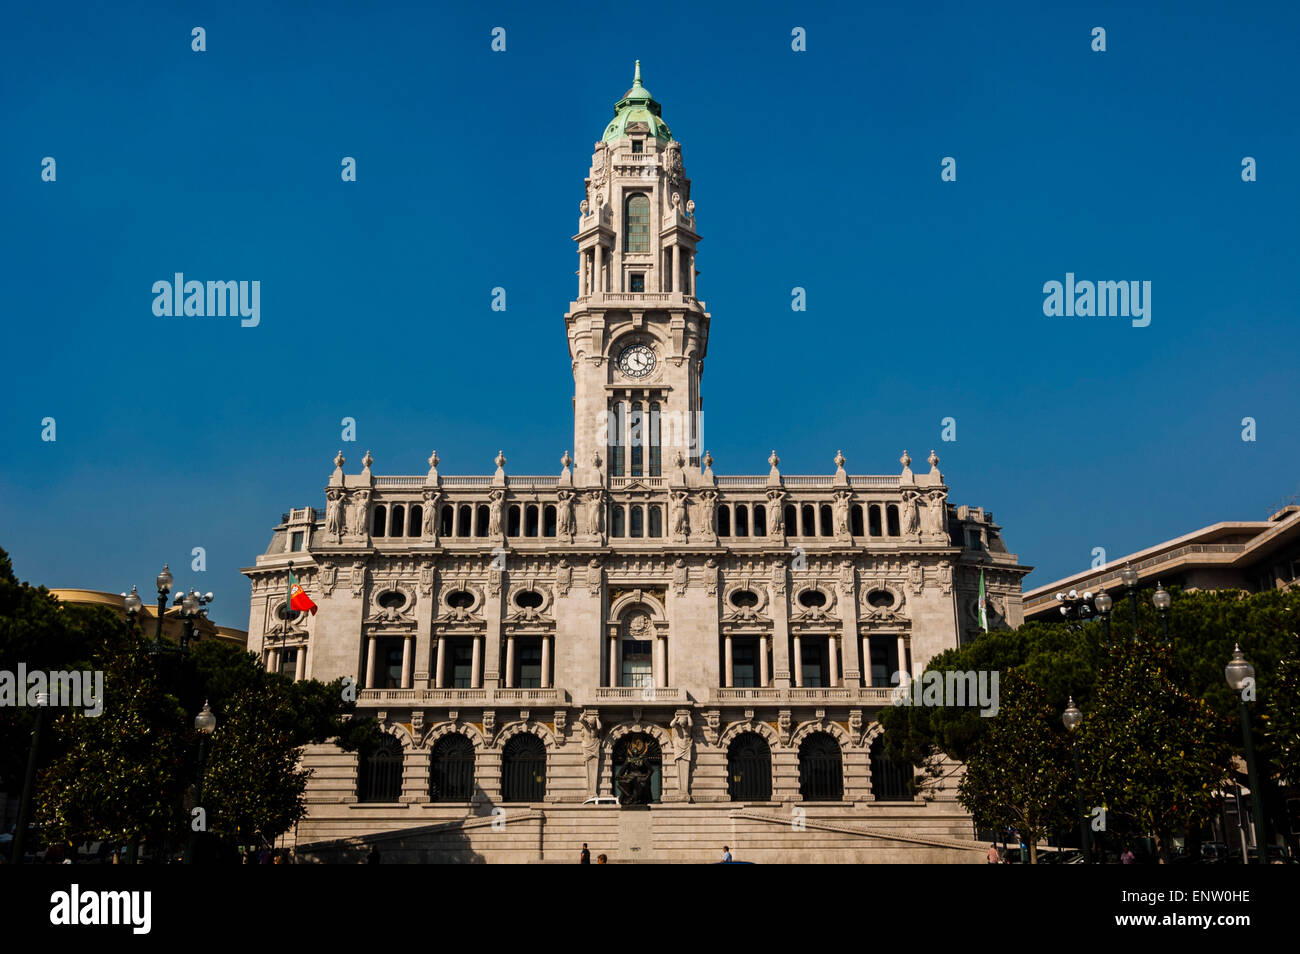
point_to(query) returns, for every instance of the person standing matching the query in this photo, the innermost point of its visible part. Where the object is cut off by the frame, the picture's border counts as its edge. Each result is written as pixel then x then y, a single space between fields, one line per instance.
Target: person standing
pixel 726 854
pixel 585 857
pixel 994 856
pixel 1128 857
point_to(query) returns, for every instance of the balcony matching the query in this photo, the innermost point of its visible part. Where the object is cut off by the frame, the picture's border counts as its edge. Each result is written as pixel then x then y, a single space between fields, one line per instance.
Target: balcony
pixel 640 695
pixel 482 696
pixel 860 695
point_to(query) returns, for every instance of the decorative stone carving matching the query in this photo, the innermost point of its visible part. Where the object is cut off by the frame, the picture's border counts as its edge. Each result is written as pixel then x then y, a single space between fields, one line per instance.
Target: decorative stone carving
pixel 334 515
pixel 785 724
pixel 911 525
pixel 841 509
pixel 778 579
pixel 713 723
pixel 708 510
pixel 566 525
pixel 358 580
pixel 936 512
pixel 673 169
pixel 430 528
pixel 494 580
pixel 678 519
pixel 593 577
pixel 495 506
pixel 945 577
pixel 916 577
pixel 596 514
pixel 392 614
pixel 426 578
pixel 329 575
pixel 683 749
pixel 590 722
pixel 776 514
pixel 563 577
pixel 846 577
pixel 489 726
pixel 361 514
pixel 681 577
pixel 892 612
pixel 857 728
pixel 561 721
pixel 711 577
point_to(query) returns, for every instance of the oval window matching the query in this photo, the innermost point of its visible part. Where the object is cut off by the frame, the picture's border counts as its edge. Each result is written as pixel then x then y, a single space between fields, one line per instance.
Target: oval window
pixel 392 599
pixel 460 599
pixel 528 599
pixel 744 598
pixel 880 598
pixel 812 598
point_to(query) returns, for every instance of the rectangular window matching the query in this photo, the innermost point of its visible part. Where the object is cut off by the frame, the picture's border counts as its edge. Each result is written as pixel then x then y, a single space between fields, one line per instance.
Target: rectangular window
pixel 289 662
pixel 744 663
pixel 636 282
pixel 616 422
pixel 636 437
pixel 813 656
pixel 297 541
pixel 973 540
pixel 462 664
pixel 390 665
pixel 638 145
pixel 656 450
pixel 528 663
pixel 637 521
pixel 638 670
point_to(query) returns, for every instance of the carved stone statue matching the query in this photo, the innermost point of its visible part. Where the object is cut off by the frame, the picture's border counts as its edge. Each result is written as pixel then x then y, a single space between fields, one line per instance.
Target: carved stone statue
pixel 590 723
pixel 776 514
pixel 911 523
pixel 842 514
pixel 633 781
pixel 334 515
pixel 684 749
pixel 935 512
pixel 708 510
pixel 566 521
pixel 494 513
pixel 430 528
pixel 680 521
pixel 360 513
pixel 595 513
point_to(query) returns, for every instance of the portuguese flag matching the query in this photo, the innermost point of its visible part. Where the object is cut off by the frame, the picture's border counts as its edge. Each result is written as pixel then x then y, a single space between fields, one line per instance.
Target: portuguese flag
pixel 298 598
pixel 983 604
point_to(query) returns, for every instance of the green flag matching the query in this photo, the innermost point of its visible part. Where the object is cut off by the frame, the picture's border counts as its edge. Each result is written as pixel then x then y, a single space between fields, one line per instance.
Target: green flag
pixel 984 604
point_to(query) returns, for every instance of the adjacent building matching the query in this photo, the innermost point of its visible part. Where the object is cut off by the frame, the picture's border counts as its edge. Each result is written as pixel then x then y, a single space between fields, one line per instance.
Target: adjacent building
pixel 711 650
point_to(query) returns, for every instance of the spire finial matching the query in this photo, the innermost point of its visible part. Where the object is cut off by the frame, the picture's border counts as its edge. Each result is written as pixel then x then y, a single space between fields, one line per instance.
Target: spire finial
pixel 636 80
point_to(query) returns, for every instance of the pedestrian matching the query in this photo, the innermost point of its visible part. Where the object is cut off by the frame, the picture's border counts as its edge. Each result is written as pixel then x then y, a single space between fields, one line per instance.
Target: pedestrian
pixel 585 857
pixel 601 860
pixel 726 854
pixel 373 857
pixel 1128 857
pixel 994 856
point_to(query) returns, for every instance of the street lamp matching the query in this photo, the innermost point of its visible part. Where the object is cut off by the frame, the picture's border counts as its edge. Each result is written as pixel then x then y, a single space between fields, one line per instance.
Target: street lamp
pixel 29 780
pixel 1072 717
pixel 1103 602
pixel 1130 578
pixel 1240 674
pixel 164 582
pixel 1076 607
pixel 205 723
pixel 1161 600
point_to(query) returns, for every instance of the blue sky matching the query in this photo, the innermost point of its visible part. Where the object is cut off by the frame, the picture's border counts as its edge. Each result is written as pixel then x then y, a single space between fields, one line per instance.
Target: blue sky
pixel 818 169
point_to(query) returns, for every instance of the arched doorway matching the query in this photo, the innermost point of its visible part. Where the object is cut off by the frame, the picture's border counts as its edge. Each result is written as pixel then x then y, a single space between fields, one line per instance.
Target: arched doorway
pixel 890 781
pixel 523 769
pixel 821 769
pixel 749 768
pixel 451 769
pixel 638 769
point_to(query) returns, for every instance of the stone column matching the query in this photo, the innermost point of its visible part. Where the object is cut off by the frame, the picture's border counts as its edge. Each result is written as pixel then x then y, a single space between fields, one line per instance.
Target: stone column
pixel 902 653
pixel 780 640
pixel 598 283
pixel 849 655
pixel 764 671
pixel 439 680
pixel 510 661
pixel 661 643
pixel 656 672
pixel 677 269
pixel 406 661
pixel 546 661
pixel 692 275
pixel 476 670
pixel 796 664
pixel 582 274
pixel 613 661
pixel 370 663
pixel 301 674
pixel 833 657
pixel 729 670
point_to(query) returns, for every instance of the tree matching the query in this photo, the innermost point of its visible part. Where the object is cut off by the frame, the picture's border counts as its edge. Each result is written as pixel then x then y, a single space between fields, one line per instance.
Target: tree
pixel 1150 750
pixel 1018 773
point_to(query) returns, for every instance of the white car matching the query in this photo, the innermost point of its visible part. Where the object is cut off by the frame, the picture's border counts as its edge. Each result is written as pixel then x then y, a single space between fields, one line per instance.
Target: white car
pixel 602 800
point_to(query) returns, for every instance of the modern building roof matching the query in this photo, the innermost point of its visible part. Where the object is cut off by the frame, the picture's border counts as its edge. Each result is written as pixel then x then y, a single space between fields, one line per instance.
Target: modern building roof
pixel 172 622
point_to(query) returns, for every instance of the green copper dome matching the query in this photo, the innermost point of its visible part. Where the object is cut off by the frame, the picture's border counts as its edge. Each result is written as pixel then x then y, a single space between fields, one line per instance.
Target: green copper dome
pixel 637 106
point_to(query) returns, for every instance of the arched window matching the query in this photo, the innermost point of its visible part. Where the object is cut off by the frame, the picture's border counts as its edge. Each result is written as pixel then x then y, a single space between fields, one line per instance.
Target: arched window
pixel 617 420
pixel 636 232
pixel 530 520
pixel 791 518
pixel 656 449
pixel 891 517
pixel 549 520
pixel 890 781
pixel 855 520
pixel 873 516
pixel 398 523
pixel 808 521
pixel 821 769
pixel 451 769
pixel 742 520
pixel 760 520
pixel 523 769
pixel 724 521
pixel 749 768
pixel 464 517
pixel 636 436
pixel 656 521
pixel 828 521
pixel 446 520
pixel 617 521
pixel 415 524
pixel 638 769
pixel 512 521
pixel 481 518
pixel 377 520
pixel 636 522
pixel 379 771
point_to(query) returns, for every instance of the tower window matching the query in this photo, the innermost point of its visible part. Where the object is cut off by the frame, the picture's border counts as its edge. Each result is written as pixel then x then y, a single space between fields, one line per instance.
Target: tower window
pixel 636 282
pixel 636 236
pixel 638 145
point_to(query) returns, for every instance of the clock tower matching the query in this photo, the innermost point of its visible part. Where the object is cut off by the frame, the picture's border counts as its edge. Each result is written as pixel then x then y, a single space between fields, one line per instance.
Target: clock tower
pixel 637 332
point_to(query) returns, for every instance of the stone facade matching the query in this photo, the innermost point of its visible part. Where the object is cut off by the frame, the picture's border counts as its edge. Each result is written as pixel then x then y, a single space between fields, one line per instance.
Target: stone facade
pixel 634 603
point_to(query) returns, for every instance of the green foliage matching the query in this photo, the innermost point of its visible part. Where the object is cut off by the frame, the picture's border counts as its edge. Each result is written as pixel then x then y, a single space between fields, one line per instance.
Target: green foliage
pixel 1281 710
pixel 1018 773
pixel 1150 750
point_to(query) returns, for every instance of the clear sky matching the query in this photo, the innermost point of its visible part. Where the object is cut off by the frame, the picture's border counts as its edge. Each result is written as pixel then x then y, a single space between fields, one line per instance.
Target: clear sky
pixel 818 169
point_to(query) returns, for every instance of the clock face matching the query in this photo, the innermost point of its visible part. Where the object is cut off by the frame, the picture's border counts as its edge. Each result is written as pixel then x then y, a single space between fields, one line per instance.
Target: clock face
pixel 636 361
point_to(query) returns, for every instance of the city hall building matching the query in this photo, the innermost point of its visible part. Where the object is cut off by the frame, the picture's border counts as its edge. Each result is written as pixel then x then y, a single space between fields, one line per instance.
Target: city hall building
pixel 707 653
